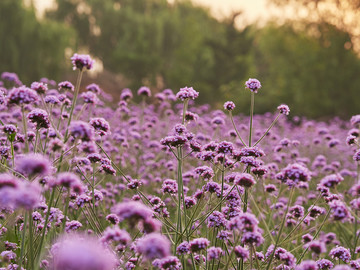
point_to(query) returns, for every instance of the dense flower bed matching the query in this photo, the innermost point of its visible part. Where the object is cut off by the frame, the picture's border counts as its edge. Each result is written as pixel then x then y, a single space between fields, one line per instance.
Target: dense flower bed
pixel 166 184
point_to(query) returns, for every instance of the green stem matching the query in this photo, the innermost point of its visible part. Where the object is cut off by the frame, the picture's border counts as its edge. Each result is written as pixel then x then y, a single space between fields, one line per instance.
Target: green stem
pixel 281 228
pixel 36 139
pixel 67 199
pixel 251 116
pixel 25 129
pixel 46 220
pixel 23 241
pixel 316 234
pixel 31 241
pixel 267 131
pixel 76 93
pixel 237 132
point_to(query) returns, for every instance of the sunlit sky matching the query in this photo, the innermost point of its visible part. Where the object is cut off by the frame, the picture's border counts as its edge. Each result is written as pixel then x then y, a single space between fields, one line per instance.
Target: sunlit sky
pixel 253 10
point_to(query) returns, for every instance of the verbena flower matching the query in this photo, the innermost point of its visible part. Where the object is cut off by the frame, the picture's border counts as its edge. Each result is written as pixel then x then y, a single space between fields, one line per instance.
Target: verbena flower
pixel 253 85
pixel 81 61
pixel 81 252
pixel 153 246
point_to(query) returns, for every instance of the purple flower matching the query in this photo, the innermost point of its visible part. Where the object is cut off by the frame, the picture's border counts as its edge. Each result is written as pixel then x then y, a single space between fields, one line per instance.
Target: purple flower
pixel 229 106
pixel 81 61
pixel 33 164
pixel 241 252
pixel 9 129
pixel 169 186
pixel 144 91
pixel 198 244
pixel 40 118
pixel 66 86
pixel 340 253
pixel 355 120
pixel 331 180
pixel 324 264
pixel 39 87
pixel 245 180
pixel 339 211
pixel 153 245
pixel 94 88
pixel 216 219
pixel 100 125
pixel 284 109
pixel 81 130
pixel 72 226
pixel 132 211
pixel 183 248
pixel 126 94
pixel 114 235
pixel 90 97
pixel 187 93
pixel 22 95
pixel 307 265
pixel 214 253
pixel 253 85
pixel 82 253
pixel 70 180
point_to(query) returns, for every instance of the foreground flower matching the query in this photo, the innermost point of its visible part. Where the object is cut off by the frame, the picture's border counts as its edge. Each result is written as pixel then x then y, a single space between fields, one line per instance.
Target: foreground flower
pixel 81 61
pixel 253 85
pixel 153 246
pixel 82 253
pixel 33 164
pixel 187 93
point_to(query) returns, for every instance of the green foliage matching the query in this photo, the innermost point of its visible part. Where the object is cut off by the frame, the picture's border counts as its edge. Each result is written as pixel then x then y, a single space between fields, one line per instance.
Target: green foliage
pixel 31 48
pixel 159 44
pixel 308 68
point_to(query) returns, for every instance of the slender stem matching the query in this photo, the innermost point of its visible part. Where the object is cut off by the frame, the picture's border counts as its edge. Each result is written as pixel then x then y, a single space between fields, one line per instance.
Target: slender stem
pixel 67 199
pixel 36 139
pixel 23 241
pixel 237 132
pixel 31 241
pixel 93 186
pixel 186 102
pixel 281 228
pixel 316 234
pixel 46 220
pixel 77 89
pixel 267 131
pixel 251 116
pixel 25 129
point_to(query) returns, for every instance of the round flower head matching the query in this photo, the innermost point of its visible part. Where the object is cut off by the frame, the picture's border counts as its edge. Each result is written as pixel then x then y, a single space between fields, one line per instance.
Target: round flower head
pixel 187 93
pixel 229 105
pixel 144 91
pixel 94 88
pixel 33 164
pixel 153 245
pixel 22 95
pixel 66 86
pixel 9 129
pixel 39 87
pixel 81 61
pixel 82 253
pixel 11 77
pixel 253 85
pixel 90 97
pixel 198 244
pixel 81 130
pixel 355 120
pixel 100 125
pixel 241 252
pixel 284 109
pixel 307 265
pixel 40 118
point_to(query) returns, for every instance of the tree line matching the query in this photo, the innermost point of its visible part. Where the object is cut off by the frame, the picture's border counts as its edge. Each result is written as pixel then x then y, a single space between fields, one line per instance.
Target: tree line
pixel 310 65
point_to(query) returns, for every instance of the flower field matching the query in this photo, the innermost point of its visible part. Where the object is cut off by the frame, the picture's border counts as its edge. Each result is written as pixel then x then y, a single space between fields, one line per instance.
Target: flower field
pixel 164 183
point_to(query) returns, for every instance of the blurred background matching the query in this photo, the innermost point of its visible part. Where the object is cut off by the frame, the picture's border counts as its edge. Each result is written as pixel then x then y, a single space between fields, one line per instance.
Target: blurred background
pixel 304 52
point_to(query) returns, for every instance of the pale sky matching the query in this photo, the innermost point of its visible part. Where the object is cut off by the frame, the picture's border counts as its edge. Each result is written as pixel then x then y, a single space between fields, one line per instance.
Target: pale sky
pixel 254 10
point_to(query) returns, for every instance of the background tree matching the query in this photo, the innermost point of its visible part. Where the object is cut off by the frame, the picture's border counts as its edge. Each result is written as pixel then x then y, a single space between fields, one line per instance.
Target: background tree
pixel 31 48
